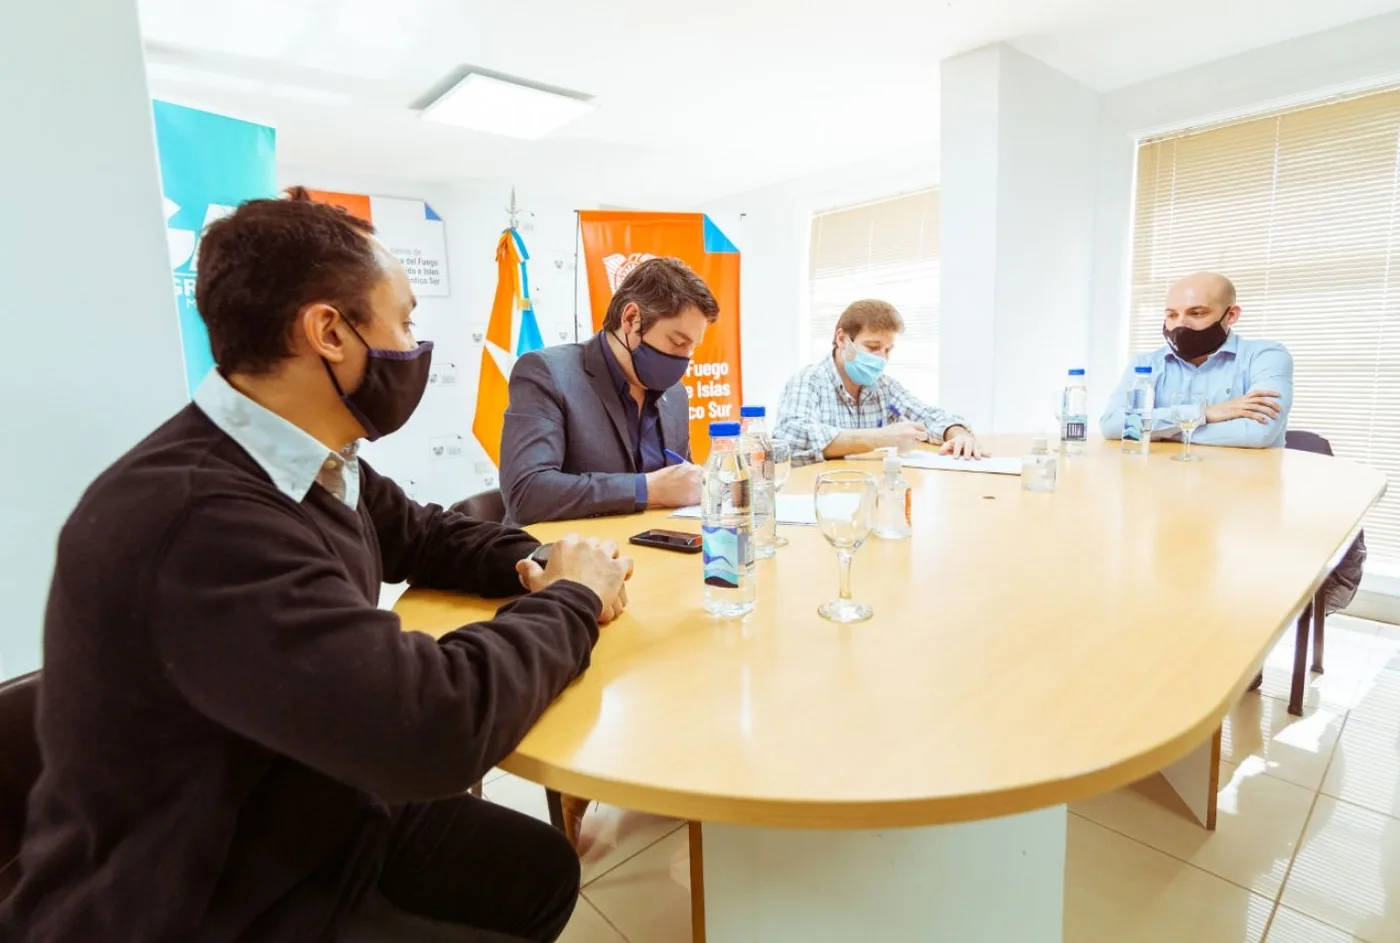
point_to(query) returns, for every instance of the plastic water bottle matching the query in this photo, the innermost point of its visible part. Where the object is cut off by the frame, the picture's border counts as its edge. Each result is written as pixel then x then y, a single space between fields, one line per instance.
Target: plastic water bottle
pixel 1137 413
pixel 726 507
pixel 757 446
pixel 1074 414
pixel 892 513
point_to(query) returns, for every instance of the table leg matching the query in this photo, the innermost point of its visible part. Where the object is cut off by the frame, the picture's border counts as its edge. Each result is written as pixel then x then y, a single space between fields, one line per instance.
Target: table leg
pixel 1196 779
pixel 697 883
pixel 1319 618
pixel 1300 663
pixel 992 881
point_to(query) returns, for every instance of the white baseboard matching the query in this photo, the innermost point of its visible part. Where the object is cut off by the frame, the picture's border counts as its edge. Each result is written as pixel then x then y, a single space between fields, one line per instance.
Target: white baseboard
pixel 1379 596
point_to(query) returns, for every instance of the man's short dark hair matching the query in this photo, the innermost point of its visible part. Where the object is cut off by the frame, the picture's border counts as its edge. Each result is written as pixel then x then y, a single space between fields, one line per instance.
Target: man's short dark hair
pixel 266 261
pixel 661 288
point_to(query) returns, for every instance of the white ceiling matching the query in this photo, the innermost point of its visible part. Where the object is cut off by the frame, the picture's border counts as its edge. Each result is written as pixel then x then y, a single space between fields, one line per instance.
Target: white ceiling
pixel 695 100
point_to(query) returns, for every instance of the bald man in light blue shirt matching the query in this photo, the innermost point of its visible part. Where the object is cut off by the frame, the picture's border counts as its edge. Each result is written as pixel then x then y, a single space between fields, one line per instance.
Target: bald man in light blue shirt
pixel 1248 384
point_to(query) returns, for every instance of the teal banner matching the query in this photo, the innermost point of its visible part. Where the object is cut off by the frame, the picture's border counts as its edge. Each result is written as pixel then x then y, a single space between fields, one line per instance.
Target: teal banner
pixel 208 165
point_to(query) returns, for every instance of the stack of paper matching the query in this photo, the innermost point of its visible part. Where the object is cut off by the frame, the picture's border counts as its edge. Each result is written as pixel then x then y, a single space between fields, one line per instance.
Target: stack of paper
pixel 932 461
pixel 792 509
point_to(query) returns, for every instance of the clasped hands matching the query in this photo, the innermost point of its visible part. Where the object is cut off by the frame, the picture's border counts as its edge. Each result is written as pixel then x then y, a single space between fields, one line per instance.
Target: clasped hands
pixel 596 564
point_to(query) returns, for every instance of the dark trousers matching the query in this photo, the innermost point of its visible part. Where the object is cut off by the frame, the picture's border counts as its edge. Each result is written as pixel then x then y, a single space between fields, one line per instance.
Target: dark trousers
pixel 466 863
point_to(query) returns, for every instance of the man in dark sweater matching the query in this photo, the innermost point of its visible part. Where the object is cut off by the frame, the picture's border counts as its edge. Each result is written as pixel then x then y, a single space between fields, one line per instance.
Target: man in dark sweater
pixel 238 744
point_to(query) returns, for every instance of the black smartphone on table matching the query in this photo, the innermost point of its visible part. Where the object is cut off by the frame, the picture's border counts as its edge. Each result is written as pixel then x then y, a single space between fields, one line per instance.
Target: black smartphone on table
pixel 676 540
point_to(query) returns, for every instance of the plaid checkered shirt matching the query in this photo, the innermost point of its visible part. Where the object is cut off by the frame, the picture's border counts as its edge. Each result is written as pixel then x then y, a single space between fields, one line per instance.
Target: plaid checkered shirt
pixel 815 408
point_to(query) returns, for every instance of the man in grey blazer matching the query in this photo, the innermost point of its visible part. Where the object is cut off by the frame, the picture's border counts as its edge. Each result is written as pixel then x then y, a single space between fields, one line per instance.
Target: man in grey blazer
pixel 601 427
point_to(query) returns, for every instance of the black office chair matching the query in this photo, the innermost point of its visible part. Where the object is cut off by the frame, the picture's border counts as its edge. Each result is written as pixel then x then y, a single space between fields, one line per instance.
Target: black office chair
pixel 1335 593
pixel 487 506
pixel 19 770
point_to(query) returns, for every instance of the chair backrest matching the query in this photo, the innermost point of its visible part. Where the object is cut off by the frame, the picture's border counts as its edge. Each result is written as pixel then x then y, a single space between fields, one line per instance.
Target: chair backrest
pixel 19 770
pixel 1340 587
pixel 1301 441
pixel 487 506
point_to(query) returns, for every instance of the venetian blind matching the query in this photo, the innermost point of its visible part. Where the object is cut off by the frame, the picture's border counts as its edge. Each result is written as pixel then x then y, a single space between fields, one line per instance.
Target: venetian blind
pixel 1301 209
pixel 886 250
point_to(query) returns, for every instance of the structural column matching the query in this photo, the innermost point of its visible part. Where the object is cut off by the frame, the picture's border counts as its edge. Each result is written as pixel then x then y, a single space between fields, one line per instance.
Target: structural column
pixel 92 350
pixel 1018 147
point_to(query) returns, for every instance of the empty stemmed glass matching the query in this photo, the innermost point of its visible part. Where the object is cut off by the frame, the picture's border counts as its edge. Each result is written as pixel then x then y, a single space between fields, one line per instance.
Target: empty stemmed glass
pixel 1188 412
pixel 782 468
pixel 846 515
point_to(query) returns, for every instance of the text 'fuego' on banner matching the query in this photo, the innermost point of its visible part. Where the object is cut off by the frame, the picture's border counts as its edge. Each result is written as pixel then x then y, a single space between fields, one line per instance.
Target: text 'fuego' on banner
pixel 614 243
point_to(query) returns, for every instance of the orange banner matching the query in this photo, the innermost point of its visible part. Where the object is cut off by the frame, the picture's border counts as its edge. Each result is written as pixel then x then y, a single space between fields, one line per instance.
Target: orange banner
pixel 613 244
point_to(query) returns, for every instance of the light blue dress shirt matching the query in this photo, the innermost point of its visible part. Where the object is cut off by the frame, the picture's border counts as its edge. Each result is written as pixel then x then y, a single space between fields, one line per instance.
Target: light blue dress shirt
pixel 292 457
pixel 1240 366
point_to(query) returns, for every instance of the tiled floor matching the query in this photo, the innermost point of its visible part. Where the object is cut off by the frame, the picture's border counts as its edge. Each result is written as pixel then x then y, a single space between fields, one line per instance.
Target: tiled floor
pixel 1307 848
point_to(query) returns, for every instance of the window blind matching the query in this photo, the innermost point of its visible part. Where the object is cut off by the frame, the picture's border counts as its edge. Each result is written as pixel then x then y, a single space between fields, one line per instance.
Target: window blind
pixel 886 250
pixel 1301 210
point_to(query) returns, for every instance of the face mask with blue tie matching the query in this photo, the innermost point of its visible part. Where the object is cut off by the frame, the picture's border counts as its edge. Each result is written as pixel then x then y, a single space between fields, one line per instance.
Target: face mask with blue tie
pixel 863 367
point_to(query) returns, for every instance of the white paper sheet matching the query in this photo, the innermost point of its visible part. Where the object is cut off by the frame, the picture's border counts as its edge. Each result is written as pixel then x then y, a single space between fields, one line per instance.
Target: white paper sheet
pixel 792 509
pixel 932 461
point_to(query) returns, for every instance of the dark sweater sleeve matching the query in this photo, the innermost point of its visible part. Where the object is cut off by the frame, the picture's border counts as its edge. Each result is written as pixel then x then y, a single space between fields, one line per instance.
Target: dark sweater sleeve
pixel 258 626
pixel 424 545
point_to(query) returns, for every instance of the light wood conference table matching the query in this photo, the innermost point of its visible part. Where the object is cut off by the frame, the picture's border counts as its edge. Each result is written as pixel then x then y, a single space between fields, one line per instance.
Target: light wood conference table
pixel 911 773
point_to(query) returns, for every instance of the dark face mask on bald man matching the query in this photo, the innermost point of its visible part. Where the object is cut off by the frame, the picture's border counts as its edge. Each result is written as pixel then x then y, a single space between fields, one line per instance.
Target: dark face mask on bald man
pixel 1190 344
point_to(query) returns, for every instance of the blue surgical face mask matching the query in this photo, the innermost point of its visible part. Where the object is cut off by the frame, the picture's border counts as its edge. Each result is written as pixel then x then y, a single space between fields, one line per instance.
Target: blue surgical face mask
pixel 864 368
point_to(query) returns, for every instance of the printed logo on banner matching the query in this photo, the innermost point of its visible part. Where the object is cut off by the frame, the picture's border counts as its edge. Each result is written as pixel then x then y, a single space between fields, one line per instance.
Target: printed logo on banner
pixel 412 230
pixel 615 243
pixel 620 266
pixel 209 164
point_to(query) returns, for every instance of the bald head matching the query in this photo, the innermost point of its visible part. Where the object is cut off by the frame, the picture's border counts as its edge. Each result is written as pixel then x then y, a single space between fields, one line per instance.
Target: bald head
pixel 1203 289
pixel 1200 300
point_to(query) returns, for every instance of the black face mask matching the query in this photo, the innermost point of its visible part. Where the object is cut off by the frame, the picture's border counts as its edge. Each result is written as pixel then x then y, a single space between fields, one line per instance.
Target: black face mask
pixel 1189 344
pixel 656 370
pixel 392 387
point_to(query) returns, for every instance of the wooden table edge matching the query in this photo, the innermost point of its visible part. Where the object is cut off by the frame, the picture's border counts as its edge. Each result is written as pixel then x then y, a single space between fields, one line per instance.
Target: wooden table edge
pixel 908 813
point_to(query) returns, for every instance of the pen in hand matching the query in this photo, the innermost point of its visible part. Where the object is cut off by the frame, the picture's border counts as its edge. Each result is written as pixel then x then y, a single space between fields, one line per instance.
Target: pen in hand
pixel 672 456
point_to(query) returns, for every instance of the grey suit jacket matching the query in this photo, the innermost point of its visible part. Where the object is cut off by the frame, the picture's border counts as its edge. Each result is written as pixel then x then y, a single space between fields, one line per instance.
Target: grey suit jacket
pixel 565 450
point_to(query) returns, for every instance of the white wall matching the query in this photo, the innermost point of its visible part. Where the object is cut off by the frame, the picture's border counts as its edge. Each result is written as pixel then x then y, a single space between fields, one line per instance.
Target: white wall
pixel 474 213
pixel 1305 69
pixel 773 232
pixel 772 228
pixel 88 301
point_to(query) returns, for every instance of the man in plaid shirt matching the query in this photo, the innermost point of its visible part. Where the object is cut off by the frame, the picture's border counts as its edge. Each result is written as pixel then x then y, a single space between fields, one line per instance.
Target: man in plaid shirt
pixel 845 404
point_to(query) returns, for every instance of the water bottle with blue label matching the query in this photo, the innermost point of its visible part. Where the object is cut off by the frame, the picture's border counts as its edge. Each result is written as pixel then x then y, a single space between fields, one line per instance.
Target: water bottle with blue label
pixel 1074 414
pixel 1137 413
pixel 726 508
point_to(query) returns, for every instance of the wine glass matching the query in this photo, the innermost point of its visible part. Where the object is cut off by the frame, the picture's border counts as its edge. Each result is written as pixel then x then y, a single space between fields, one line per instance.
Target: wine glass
pixel 1188 412
pixel 782 468
pixel 846 515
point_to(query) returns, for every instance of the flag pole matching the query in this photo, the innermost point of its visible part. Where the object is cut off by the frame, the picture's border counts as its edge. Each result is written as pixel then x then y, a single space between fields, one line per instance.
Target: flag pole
pixel 578 237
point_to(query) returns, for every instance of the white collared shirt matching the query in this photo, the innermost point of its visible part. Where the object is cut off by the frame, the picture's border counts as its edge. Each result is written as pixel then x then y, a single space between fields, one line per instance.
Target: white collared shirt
pixel 292 458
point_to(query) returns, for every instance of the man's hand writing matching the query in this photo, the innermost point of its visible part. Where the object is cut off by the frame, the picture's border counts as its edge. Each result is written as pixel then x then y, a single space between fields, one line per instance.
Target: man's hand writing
pixel 675 486
pixel 904 436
